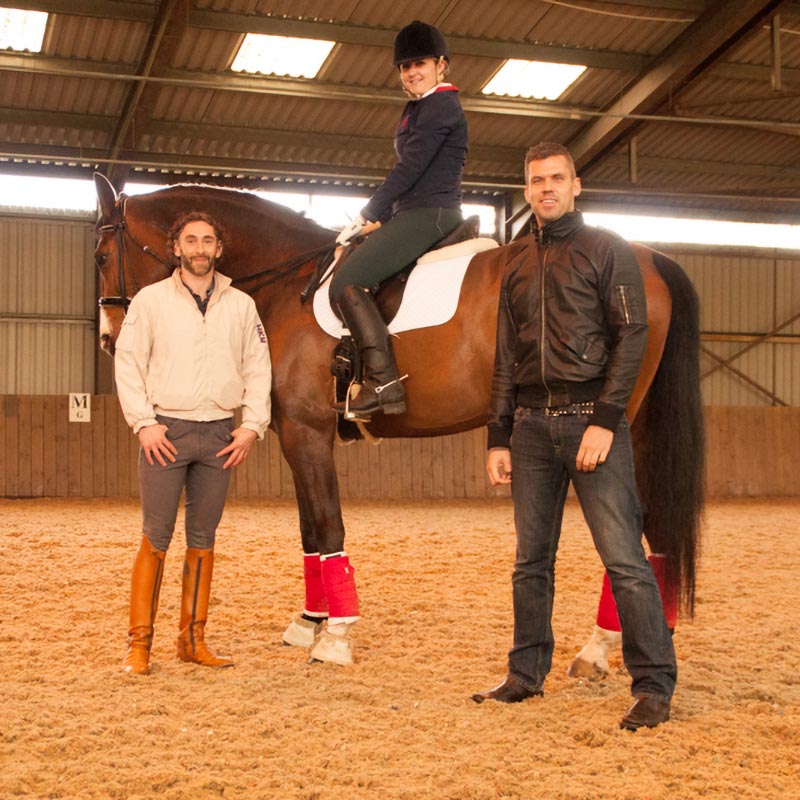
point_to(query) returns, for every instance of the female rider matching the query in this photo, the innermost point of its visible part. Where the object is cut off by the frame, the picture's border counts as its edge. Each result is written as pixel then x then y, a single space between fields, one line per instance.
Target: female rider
pixel 418 204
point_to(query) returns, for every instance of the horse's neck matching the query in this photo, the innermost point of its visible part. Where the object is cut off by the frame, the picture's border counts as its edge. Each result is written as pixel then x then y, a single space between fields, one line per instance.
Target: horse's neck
pixel 257 237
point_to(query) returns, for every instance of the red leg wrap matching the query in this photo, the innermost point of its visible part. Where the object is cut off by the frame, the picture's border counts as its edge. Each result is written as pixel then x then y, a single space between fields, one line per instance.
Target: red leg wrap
pixel 607 609
pixel 669 594
pixel 340 587
pixel 316 602
pixel 607 617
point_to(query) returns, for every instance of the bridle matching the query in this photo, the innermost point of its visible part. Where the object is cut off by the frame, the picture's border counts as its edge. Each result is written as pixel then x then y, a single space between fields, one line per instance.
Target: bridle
pixel 123 234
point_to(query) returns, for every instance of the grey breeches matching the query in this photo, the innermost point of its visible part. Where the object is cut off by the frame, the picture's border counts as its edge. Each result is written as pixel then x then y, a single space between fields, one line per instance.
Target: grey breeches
pixel 199 471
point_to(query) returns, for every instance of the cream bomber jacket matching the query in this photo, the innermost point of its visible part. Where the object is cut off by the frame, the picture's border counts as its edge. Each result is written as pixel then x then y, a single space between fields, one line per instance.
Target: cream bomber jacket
pixel 172 360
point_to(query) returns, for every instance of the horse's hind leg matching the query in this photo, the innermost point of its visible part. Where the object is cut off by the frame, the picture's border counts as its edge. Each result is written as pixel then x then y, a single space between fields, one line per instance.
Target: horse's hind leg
pixel 592 661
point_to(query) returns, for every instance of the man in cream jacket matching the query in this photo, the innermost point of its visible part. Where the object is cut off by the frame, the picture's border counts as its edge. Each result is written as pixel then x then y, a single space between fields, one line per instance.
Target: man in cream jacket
pixel 191 351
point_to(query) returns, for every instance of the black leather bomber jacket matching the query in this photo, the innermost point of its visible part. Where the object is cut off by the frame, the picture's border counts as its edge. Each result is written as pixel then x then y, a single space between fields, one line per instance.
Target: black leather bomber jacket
pixel 572 325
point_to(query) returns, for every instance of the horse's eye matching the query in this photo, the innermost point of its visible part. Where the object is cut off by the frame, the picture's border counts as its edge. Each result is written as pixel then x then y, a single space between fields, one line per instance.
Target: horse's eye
pixel 100 259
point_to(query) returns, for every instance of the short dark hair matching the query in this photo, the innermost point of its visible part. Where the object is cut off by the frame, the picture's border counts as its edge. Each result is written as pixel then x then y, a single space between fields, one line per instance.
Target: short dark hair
pixel 546 150
pixel 183 220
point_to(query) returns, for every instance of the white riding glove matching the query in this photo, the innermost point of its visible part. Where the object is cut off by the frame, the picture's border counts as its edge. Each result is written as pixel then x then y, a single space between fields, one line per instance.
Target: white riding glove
pixel 351 231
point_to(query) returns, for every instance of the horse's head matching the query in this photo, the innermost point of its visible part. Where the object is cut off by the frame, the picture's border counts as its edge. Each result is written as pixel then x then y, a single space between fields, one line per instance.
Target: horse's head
pixel 127 255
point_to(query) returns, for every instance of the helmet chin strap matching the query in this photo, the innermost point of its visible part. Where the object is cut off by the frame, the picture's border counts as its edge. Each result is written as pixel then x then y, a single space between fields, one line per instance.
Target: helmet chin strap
pixel 440 78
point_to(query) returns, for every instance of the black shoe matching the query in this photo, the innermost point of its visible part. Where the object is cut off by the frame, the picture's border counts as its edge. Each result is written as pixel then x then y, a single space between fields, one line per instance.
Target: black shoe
pixel 509 691
pixel 646 712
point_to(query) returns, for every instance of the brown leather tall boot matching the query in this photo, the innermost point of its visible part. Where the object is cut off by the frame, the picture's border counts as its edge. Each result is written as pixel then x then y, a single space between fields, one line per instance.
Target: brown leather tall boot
pixel 148 569
pixel 197 570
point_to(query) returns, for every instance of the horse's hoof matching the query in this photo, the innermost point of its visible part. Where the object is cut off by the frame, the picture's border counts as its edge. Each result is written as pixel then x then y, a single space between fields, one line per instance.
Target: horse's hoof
pixel 302 632
pixel 592 662
pixel 333 649
pixel 586 670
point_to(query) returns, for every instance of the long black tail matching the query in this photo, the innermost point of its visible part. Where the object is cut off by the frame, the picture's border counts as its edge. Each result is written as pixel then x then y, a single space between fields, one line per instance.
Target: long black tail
pixel 671 467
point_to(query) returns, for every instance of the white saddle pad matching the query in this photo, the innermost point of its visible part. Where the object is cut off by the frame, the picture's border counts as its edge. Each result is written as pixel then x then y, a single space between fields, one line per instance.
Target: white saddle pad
pixel 431 294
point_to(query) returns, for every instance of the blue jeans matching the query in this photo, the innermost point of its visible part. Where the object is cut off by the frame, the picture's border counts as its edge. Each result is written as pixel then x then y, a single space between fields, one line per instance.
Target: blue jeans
pixel 543 453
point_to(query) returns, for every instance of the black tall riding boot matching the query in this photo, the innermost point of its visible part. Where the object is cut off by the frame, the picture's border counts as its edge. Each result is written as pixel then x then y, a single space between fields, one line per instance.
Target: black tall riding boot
pixel 381 388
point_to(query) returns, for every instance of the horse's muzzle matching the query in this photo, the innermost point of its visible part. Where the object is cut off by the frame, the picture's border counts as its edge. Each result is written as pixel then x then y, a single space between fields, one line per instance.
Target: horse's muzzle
pixel 107 343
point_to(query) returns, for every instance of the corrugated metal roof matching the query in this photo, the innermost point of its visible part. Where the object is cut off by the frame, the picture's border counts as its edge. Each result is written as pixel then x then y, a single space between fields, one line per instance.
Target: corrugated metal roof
pixel 96 39
pixel 119 88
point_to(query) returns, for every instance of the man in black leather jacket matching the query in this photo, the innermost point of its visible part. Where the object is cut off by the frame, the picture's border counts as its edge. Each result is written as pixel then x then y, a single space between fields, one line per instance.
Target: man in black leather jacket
pixel 571 336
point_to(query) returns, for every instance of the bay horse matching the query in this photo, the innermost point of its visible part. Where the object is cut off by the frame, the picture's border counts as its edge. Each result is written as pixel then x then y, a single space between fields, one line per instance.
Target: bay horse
pixel 270 252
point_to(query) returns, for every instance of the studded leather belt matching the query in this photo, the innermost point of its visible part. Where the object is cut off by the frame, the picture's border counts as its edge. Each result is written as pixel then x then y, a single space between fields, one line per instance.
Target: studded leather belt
pixel 564 411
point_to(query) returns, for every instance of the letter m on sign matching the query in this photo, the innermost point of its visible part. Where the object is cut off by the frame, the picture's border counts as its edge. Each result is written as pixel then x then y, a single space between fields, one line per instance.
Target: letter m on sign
pixel 80 407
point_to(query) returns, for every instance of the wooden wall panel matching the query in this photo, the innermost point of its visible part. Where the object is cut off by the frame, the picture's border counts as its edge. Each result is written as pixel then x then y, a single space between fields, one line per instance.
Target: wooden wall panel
pixel 37 446
pixel 11 406
pixel 751 452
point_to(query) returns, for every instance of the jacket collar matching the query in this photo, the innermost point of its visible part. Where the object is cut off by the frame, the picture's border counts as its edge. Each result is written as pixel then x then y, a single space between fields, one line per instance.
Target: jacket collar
pixel 559 229
pixel 440 87
pixel 221 283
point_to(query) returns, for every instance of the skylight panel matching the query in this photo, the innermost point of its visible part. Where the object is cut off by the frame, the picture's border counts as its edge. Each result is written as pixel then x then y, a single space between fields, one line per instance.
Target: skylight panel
pixel 540 80
pixel 22 30
pixel 281 55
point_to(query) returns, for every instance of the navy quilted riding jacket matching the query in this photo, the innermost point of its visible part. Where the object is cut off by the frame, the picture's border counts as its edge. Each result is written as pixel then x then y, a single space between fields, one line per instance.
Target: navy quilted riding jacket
pixel 431 146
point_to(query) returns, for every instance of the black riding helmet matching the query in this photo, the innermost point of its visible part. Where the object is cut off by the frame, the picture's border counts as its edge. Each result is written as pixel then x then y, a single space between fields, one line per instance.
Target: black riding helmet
pixel 419 40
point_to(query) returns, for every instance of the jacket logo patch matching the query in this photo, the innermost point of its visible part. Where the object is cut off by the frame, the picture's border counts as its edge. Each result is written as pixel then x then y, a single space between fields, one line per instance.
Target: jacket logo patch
pixel 262 337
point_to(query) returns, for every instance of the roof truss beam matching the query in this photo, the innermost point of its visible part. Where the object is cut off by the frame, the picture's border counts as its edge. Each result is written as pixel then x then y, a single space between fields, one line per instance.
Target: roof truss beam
pixel 384 37
pixel 720 27
pixel 123 9
pixel 366 144
pixel 167 26
pixel 84 69
pixel 57 119
pixel 170 164
pixel 691 166
pixel 104 9
pixel 500 155
pixel 226 133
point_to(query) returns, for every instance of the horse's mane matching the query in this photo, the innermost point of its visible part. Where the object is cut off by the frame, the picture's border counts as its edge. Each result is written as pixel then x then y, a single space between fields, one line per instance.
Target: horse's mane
pixel 241 202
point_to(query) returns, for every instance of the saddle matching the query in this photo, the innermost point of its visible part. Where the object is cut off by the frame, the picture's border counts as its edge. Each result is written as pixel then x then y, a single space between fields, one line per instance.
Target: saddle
pixel 346 363
pixel 389 294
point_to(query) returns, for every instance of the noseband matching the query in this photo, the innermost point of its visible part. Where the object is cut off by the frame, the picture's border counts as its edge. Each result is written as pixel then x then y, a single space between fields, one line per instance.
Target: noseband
pixel 120 230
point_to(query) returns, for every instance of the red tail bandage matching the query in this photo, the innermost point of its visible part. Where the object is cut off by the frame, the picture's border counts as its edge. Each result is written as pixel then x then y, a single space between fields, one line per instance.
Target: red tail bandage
pixel 607 609
pixel 316 602
pixel 340 587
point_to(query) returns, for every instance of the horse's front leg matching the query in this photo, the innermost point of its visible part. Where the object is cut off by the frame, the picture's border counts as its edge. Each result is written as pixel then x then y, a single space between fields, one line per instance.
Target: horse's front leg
pixel 307 625
pixel 330 589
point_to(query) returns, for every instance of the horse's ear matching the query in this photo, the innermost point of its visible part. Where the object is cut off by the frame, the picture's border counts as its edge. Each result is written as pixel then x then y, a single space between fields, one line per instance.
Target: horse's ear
pixel 106 194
